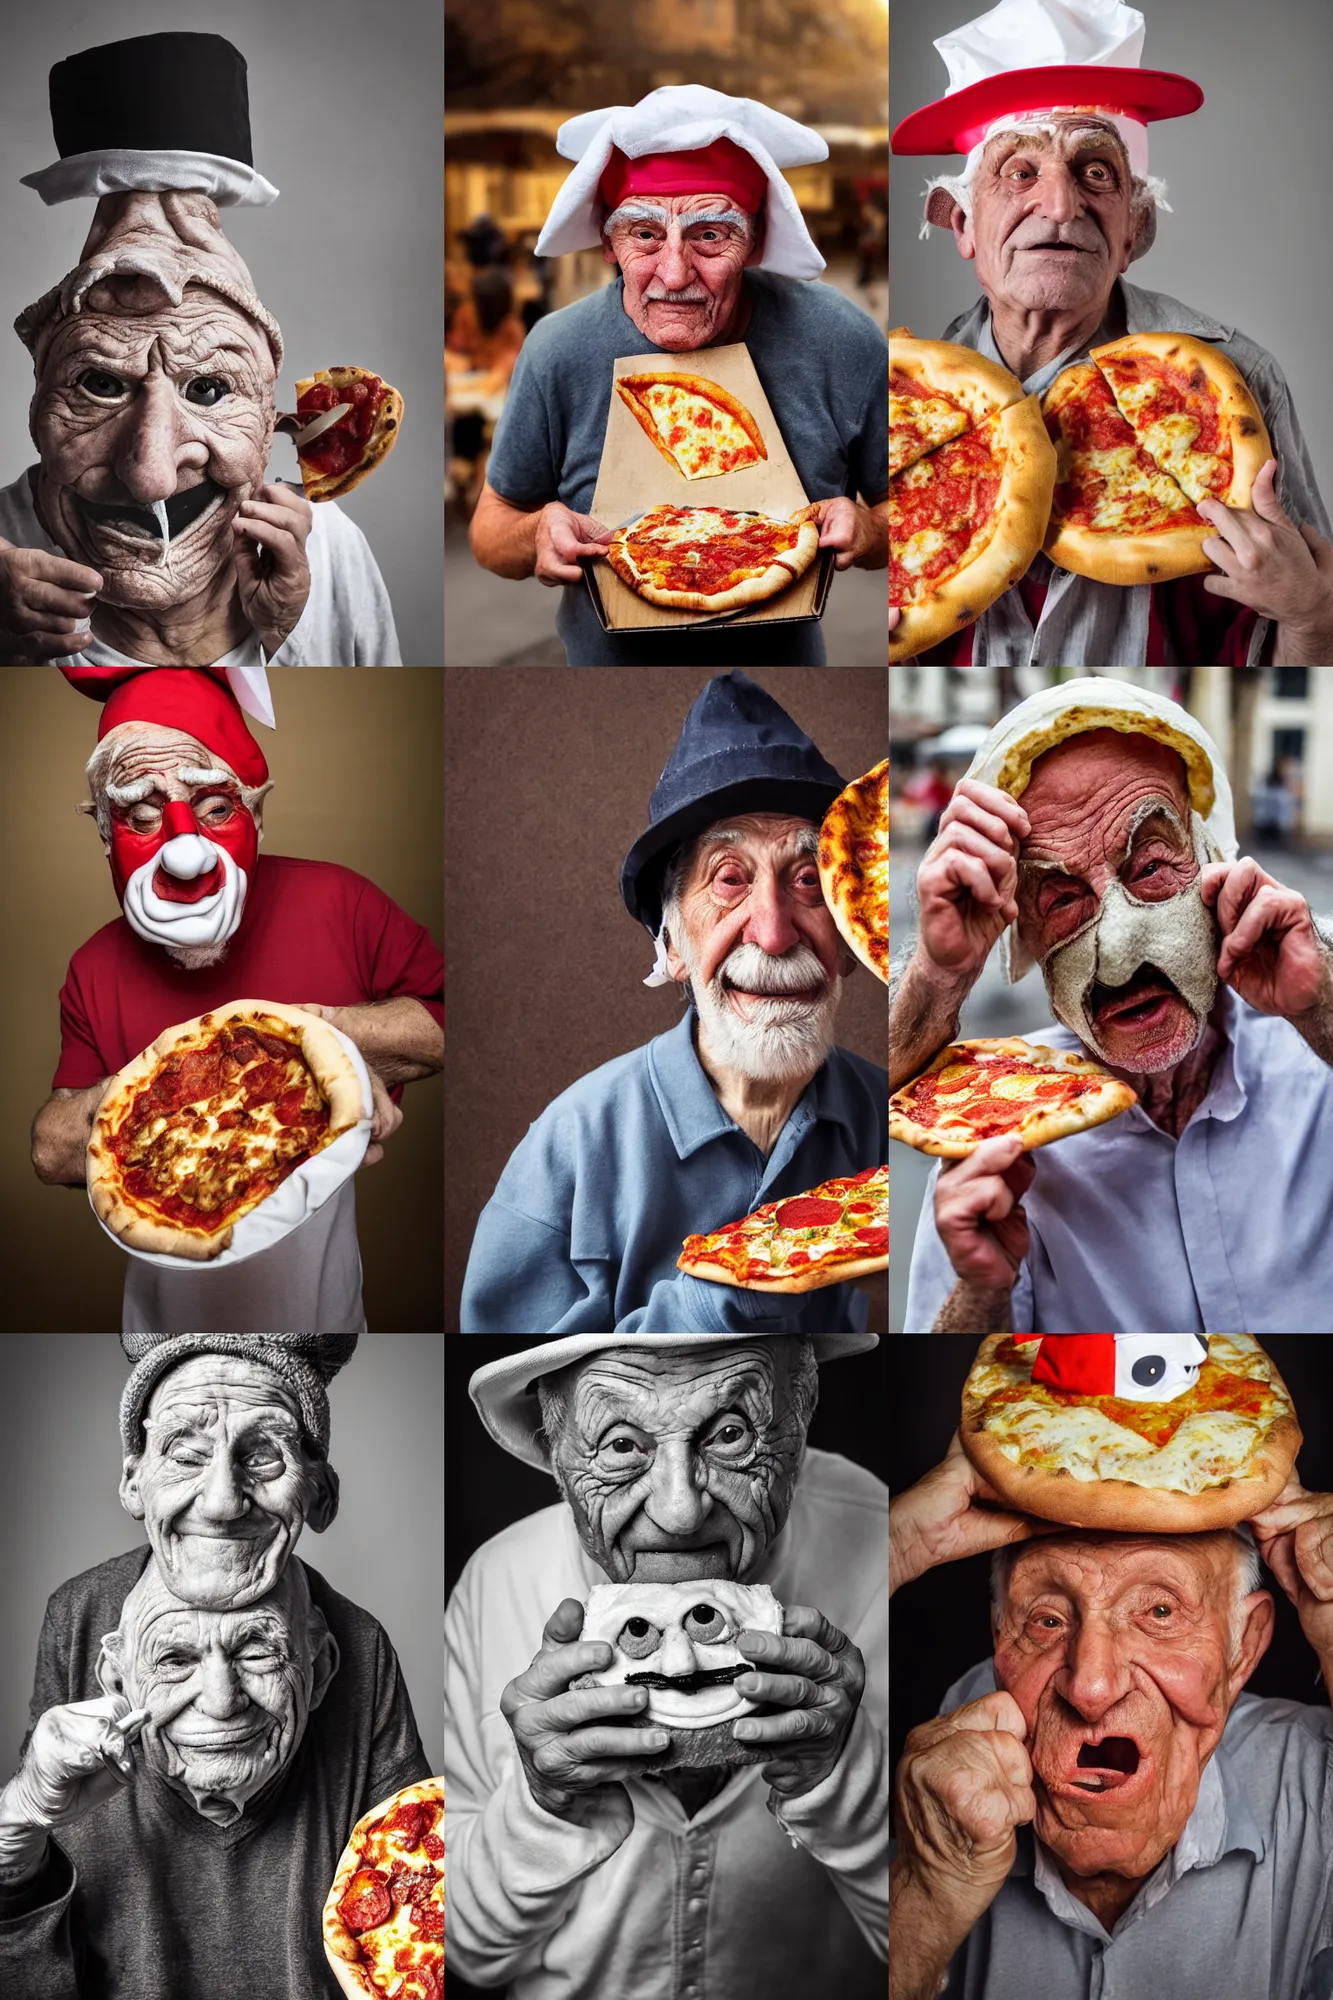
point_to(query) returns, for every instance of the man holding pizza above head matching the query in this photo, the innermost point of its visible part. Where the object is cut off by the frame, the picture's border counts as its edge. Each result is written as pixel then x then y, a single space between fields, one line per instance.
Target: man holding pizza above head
pixel 1093 834
pixel 685 195
pixel 147 531
pixel 596 1849
pixel 177 785
pixel 1100 1807
pixel 1048 103
pixel 746 1102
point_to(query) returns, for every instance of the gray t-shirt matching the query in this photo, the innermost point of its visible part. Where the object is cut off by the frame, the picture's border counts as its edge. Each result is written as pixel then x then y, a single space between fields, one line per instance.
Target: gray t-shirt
pixel 823 364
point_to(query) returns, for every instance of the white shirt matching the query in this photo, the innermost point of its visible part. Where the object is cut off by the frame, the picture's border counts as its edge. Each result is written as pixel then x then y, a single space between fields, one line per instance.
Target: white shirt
pixel 347 621
pixel 737 1903
pixel 1227 1229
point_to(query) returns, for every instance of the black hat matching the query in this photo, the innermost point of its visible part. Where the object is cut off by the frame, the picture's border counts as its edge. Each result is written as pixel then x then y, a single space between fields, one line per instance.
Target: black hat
pixel 738 752
pixel 153 112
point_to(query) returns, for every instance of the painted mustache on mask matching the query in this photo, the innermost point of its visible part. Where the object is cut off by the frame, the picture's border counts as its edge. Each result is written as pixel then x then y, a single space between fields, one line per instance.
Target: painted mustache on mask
pixel 1128 944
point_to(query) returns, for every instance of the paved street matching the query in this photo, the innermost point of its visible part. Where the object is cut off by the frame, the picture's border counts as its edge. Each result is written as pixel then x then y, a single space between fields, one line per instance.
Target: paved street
pixel 996 1009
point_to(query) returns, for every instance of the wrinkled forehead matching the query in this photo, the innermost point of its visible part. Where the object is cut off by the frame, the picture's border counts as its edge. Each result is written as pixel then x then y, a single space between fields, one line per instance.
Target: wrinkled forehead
pixel 1097 1569
pixel 656 1386
pixel 203 330
pixel 665 1605
pixel 148 750
pixel 1096 779
pixel 207 1387
pixel 1061 135
pixel 770 836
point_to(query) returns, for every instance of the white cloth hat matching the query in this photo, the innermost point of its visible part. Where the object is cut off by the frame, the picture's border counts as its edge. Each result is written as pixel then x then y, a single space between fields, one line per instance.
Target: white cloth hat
pixel 505 1391
pixel 1095 701
pixel 680 118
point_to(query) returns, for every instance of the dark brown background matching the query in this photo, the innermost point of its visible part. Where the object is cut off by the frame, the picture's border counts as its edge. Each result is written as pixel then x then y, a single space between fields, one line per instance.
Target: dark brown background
pixel 355 761
pixel 547 782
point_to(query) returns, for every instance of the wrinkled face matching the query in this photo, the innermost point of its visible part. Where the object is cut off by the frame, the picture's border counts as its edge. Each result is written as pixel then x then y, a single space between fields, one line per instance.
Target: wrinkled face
pixel 1118 1649
pixel 1108 901
pixel 681 257
pixel 183 842
pixel 679 1641
pixel 759 946
pixel 225 1483
pixel 680 1463
pixel 171 406
pixel 228 1691
pixel 1051 226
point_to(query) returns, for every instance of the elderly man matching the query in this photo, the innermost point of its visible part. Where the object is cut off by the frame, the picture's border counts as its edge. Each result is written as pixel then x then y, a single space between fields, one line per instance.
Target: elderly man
pixel 209 1717
pixel 147 530
pixel 1100 1807
pixel 1110 860
pixel 684 195
pixel 1054 202
pixel 178 784
pixel 747 1100
pixel 569 1872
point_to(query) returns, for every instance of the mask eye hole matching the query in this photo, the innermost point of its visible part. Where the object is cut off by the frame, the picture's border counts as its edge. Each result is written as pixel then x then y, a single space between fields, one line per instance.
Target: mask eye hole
pixel 705 1623
pixel 638 1639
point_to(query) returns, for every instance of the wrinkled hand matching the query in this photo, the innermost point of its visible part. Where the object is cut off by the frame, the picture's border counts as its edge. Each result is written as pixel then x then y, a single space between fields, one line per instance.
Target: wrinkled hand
pixel 816 1676
pixel 45 605
pixel 964 1785
pixel 979 1212
pixel 967 884
pixel 269 535
pixel 1295 1537
pixel 79 1755
pixel 386 1116
pixel 1270 951
pixel 1278 569
pixel 562 537
pixel 567 1742
pixel 938 1520
pixel 855 532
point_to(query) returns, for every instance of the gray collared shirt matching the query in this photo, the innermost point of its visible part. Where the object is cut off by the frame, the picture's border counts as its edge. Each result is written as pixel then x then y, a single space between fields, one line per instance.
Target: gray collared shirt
pixel 1240 1909
pixel 1102 624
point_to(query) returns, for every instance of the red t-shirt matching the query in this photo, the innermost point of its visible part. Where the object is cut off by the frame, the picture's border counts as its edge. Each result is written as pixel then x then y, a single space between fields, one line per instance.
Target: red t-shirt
pixel 310 931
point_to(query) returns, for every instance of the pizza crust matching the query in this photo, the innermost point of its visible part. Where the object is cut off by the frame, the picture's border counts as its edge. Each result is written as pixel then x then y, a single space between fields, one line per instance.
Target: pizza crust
pixel 792 564
pixel 383 436
pixel 1039 1128
pixel 810 1277
pixel 340 1945
pixel 1055 1494
pixel 859 813
pixel 628 388
pixel 329 1063
pixel 980 386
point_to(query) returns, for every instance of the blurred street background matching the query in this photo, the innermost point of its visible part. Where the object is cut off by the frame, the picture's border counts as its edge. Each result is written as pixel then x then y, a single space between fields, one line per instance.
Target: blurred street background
pixel 515 70
pixel 1274 726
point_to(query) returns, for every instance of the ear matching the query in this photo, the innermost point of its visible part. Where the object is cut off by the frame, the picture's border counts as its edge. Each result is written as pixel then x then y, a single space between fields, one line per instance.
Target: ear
pixel 1255 1639
pixel 326 1657
pixel 110 1667
pixel 754 254
pixel 322 1485
pixel 608 254
pixel 130 1498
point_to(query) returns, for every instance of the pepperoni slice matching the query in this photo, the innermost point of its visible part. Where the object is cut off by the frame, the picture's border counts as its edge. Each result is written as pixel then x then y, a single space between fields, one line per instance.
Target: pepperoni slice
pixel 366 1901
pixel 808 1211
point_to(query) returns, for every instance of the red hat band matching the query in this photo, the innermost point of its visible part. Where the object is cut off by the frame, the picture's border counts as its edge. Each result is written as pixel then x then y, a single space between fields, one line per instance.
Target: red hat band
pixel 720 168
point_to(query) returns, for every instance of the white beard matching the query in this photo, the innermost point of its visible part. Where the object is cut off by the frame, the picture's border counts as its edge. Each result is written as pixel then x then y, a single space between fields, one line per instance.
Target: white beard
pixel 187 926
pixel 784 1039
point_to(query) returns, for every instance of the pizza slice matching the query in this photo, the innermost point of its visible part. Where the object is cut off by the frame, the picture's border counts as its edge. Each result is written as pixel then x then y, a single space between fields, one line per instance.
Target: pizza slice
pixel 976 1090
pixel 348 422
pixel 1192 410
pixel 937 390
pixel 854 867
pixel 921 419
pixel 699 427
pixel 383 1918
pixel 713 559
pixel 836 1232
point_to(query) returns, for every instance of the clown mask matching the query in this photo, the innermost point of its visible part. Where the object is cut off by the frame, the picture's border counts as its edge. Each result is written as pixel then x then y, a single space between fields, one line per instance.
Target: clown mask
pixel 183 842
pixel 679 1641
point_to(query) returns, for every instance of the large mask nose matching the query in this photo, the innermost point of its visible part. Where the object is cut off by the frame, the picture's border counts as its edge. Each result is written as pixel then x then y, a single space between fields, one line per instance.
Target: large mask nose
pixel 677 1655
pixel 185 853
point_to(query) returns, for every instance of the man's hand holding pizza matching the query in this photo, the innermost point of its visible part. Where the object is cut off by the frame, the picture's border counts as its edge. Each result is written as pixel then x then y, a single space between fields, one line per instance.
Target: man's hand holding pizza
pixel 1270 952
pixel 562 538
pixel 815 1676
pixel 963 1788
pixel 400 1041
pixel 939 1519
pixel 859 534
pixel 1275 567
pixel 1295 1537
pixel 270 532
pixel 80 1754
pixel 980 1219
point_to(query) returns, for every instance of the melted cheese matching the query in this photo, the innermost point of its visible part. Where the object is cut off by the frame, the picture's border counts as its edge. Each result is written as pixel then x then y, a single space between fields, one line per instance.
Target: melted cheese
pixel 1119 506
pixel 920 423
pixel 188 1153
pixel 1169 438
pixel 707 424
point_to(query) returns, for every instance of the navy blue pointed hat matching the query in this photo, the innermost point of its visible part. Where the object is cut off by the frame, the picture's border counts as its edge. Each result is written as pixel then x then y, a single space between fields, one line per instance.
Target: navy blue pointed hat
pixel 738 752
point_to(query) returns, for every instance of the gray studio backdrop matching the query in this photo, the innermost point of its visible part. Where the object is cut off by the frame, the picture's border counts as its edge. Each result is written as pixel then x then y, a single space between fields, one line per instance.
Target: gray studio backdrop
pixel 61 1468
pixel 345 110
pixel 1246 176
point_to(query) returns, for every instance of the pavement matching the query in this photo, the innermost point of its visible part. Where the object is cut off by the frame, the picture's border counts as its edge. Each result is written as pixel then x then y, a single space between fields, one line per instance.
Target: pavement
pixel 992 1008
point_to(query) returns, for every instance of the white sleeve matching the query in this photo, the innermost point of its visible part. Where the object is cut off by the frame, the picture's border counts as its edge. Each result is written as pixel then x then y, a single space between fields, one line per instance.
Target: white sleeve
pixel 348 620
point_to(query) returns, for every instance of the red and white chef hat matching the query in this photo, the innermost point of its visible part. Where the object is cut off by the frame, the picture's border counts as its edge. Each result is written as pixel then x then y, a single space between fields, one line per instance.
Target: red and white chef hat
pixel 1139 1367
pixel 200 701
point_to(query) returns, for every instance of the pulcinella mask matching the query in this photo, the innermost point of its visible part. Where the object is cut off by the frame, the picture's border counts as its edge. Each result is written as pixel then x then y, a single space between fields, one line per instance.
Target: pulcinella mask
pixel 679 1641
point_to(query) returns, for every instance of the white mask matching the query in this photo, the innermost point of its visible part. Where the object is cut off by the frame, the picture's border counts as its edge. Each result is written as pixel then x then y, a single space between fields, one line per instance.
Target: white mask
pixel 1177 935
pixel 210 920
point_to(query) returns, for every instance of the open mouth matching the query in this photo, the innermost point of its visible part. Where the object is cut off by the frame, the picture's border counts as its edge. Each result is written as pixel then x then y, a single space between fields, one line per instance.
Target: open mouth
pixel 1142 1002
pixel 171 889
pixel 1109 1764
pixel 128 517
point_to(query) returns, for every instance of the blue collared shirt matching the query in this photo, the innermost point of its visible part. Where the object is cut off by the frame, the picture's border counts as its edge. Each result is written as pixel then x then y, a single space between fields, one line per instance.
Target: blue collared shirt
pixel 1239 1909
pixel 1227 1229
pixel 587 1221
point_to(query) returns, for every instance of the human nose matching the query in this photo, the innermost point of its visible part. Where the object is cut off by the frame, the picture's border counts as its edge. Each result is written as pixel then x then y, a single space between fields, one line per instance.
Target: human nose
pixel 220 1692
pixel 677 1503
pixel 220 1498
pixel 1057 194
pixel 149 443
pixel 769 922
pixel 1094 1677
pixel 675 265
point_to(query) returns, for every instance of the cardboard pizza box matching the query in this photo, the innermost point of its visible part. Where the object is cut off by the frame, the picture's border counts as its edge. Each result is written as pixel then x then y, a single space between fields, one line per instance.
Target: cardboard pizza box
pixel 634 476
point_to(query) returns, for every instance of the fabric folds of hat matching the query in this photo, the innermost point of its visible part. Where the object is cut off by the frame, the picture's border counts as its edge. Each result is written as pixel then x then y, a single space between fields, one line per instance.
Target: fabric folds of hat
pixel 305 1362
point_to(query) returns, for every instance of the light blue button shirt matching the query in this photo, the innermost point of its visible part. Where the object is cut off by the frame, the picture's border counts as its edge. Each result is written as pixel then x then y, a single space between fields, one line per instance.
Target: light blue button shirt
pixel 1228 1229
pixel 587 1221
pixel 1239 1909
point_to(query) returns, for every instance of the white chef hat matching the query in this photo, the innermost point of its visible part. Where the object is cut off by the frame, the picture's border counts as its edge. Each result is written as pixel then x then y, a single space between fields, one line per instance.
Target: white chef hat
pixel 1026 60
pixel 1096 701
pixel 686 118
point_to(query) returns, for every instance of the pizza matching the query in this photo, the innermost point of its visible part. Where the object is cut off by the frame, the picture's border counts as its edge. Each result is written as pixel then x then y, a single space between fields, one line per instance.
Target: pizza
pixel 839 1231
pixel 970 492
pixel 976 1090
pixel 384 1915
pixel 1144 430
pixel 699 427
pixel 854 867
pixel 713 559
pixel 336 453
pixel 1211 1456
pixel 211 1118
